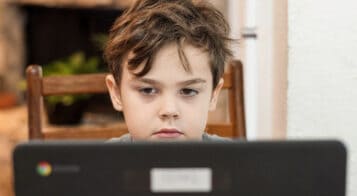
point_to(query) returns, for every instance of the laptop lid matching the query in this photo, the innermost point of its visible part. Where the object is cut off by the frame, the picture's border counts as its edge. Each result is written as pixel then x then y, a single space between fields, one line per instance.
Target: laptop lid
pixel 281 168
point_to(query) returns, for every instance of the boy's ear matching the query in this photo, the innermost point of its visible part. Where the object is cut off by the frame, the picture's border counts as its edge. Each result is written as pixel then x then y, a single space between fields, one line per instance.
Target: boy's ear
pixel 215 94
pixel 114 92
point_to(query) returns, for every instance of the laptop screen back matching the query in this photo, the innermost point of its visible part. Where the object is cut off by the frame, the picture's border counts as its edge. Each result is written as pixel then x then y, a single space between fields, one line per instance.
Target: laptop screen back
pixel 291 168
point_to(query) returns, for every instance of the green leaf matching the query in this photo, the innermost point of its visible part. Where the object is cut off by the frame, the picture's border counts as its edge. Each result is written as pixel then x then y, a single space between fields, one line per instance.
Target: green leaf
pixel 76 63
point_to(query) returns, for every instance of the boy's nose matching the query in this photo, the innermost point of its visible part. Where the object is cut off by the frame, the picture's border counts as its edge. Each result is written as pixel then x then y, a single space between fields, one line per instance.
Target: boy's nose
pixel 169 109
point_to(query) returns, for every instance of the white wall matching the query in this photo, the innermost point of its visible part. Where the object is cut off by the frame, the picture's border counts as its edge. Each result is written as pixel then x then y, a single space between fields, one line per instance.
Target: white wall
pixel 322 74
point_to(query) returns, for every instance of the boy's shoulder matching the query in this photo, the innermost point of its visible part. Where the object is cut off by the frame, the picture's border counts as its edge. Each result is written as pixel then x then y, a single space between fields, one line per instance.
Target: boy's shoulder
pixel 212 137
pixel 124 138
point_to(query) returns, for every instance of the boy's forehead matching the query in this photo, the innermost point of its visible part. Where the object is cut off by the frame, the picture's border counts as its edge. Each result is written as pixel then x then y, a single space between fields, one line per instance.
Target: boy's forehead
pixel 168 57
pixel 171 51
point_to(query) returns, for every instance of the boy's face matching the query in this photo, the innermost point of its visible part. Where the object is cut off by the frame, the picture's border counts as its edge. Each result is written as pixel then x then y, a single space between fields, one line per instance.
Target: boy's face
pixel 168 103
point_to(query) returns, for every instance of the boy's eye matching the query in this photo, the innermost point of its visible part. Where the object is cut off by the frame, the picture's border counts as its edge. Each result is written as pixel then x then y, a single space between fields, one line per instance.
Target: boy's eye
pixel 188 92
pixel 148 91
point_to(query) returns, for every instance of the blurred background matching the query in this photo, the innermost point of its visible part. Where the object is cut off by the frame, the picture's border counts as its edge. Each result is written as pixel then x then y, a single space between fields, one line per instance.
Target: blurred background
pixel 299 58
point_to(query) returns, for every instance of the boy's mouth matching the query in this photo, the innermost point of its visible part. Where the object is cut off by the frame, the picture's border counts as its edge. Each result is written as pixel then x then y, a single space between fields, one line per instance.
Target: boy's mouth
pixel 168 133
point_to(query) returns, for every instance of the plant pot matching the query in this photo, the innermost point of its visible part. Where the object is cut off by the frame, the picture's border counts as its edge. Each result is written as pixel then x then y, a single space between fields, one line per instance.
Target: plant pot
pixel 7 100
pixel 61 114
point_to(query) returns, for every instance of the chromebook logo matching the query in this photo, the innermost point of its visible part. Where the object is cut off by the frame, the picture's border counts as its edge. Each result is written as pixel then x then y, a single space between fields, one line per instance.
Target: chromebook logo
pixel 44 168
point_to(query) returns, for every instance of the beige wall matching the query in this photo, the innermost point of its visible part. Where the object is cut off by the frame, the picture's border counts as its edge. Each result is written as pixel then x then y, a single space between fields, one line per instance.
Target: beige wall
pixel 265 62
pixel 279 68
pixel 11 46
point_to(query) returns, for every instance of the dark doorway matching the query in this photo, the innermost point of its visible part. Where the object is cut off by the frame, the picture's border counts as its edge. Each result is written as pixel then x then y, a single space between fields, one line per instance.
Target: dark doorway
pixel 53 33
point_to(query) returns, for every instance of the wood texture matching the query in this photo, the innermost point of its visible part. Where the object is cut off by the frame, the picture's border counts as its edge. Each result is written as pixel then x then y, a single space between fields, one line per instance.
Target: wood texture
pixel 237 99
pixel 34 101
pixel 238 96
pixel 86 132
pixel 74 84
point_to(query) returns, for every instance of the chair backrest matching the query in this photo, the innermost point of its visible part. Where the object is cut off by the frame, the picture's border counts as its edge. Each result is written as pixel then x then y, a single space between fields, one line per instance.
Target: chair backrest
pixel 39 87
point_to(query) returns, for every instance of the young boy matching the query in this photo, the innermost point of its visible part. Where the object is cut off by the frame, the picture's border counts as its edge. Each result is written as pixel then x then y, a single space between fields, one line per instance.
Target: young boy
pixel 167 58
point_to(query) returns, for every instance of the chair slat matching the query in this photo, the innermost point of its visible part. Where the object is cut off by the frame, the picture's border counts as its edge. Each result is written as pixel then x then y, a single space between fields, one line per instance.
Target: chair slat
pixel 85 132
pixel 74 84
pixel 221 129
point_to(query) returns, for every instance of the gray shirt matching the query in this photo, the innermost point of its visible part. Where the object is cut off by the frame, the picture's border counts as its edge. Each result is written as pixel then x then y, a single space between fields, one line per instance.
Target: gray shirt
pixel 205 137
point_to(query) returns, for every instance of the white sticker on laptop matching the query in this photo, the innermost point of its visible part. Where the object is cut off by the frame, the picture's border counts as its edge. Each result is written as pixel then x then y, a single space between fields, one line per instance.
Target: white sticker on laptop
pixel 180 180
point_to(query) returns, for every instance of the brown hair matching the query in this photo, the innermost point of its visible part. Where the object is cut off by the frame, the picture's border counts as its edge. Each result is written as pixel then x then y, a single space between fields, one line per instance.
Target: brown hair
pixel 149 24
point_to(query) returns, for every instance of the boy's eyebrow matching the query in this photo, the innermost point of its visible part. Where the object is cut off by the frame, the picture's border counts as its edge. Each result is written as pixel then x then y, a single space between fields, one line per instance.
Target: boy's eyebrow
pixel 192 81
pixel 183 83
pixel 147 80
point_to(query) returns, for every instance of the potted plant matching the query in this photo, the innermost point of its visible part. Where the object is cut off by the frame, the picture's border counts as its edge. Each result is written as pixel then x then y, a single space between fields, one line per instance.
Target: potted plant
pixel 68 109
pixel 7 98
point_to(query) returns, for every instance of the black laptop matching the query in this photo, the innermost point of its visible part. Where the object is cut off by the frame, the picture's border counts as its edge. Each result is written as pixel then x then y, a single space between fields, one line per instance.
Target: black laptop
pixel 275 168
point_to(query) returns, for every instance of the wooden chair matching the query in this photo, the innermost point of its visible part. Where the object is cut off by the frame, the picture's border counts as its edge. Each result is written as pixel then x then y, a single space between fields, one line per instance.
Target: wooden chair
pixel 39 86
